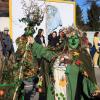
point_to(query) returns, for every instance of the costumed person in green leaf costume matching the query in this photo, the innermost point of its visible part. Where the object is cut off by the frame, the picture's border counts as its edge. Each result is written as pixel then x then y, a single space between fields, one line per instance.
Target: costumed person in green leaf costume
pixel 27 73
pixel 80 81
pixel 47 58
pixel 80 73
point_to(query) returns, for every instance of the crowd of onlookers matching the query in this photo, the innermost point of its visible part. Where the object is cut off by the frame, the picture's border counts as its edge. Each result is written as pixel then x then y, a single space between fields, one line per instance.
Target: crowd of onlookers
pixel 54 38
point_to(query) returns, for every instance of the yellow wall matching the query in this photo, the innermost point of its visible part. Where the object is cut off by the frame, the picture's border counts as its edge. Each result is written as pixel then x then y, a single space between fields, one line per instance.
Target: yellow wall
pixel 10 14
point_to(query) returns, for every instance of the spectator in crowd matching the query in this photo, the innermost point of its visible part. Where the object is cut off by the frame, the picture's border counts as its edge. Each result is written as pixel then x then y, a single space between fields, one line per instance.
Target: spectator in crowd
pixel 1 55
pixel 61 36
pixel 90 49
pixel 1 48
pixel 85 40
pixel 67 35
pixel 40 38
pixel 7 43
pixel 65 30
pixel 96 55
pixel 52 39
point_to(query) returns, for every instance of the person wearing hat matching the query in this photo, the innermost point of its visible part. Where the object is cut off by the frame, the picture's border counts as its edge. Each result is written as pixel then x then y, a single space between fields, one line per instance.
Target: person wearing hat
pixel 7 43
pixel 6 29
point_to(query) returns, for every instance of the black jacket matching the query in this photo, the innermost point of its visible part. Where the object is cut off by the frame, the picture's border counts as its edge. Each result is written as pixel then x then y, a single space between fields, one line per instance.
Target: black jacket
pixel 38 39
pixel 52 41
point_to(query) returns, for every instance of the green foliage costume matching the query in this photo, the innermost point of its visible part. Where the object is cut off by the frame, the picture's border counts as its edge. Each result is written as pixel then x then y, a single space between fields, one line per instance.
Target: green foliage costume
pixel 79 86
pixel 48 58
pixel 31 62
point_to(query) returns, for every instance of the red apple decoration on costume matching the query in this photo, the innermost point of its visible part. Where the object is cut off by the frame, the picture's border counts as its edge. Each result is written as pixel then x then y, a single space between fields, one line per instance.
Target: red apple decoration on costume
pixel 62 59
pixel 40 90
pixel 1 92
pixel 78 62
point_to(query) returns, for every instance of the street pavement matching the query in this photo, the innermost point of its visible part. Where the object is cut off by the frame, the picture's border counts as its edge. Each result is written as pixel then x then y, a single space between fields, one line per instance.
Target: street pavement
pixel 97 73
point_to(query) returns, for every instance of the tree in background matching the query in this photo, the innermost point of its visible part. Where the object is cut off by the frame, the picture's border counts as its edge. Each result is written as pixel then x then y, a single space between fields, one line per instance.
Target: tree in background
pixel 92 8
pixel 79 17
pixel 94 17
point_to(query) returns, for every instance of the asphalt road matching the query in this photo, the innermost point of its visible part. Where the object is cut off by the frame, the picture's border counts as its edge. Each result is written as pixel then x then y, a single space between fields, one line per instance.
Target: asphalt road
pixel 97 73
